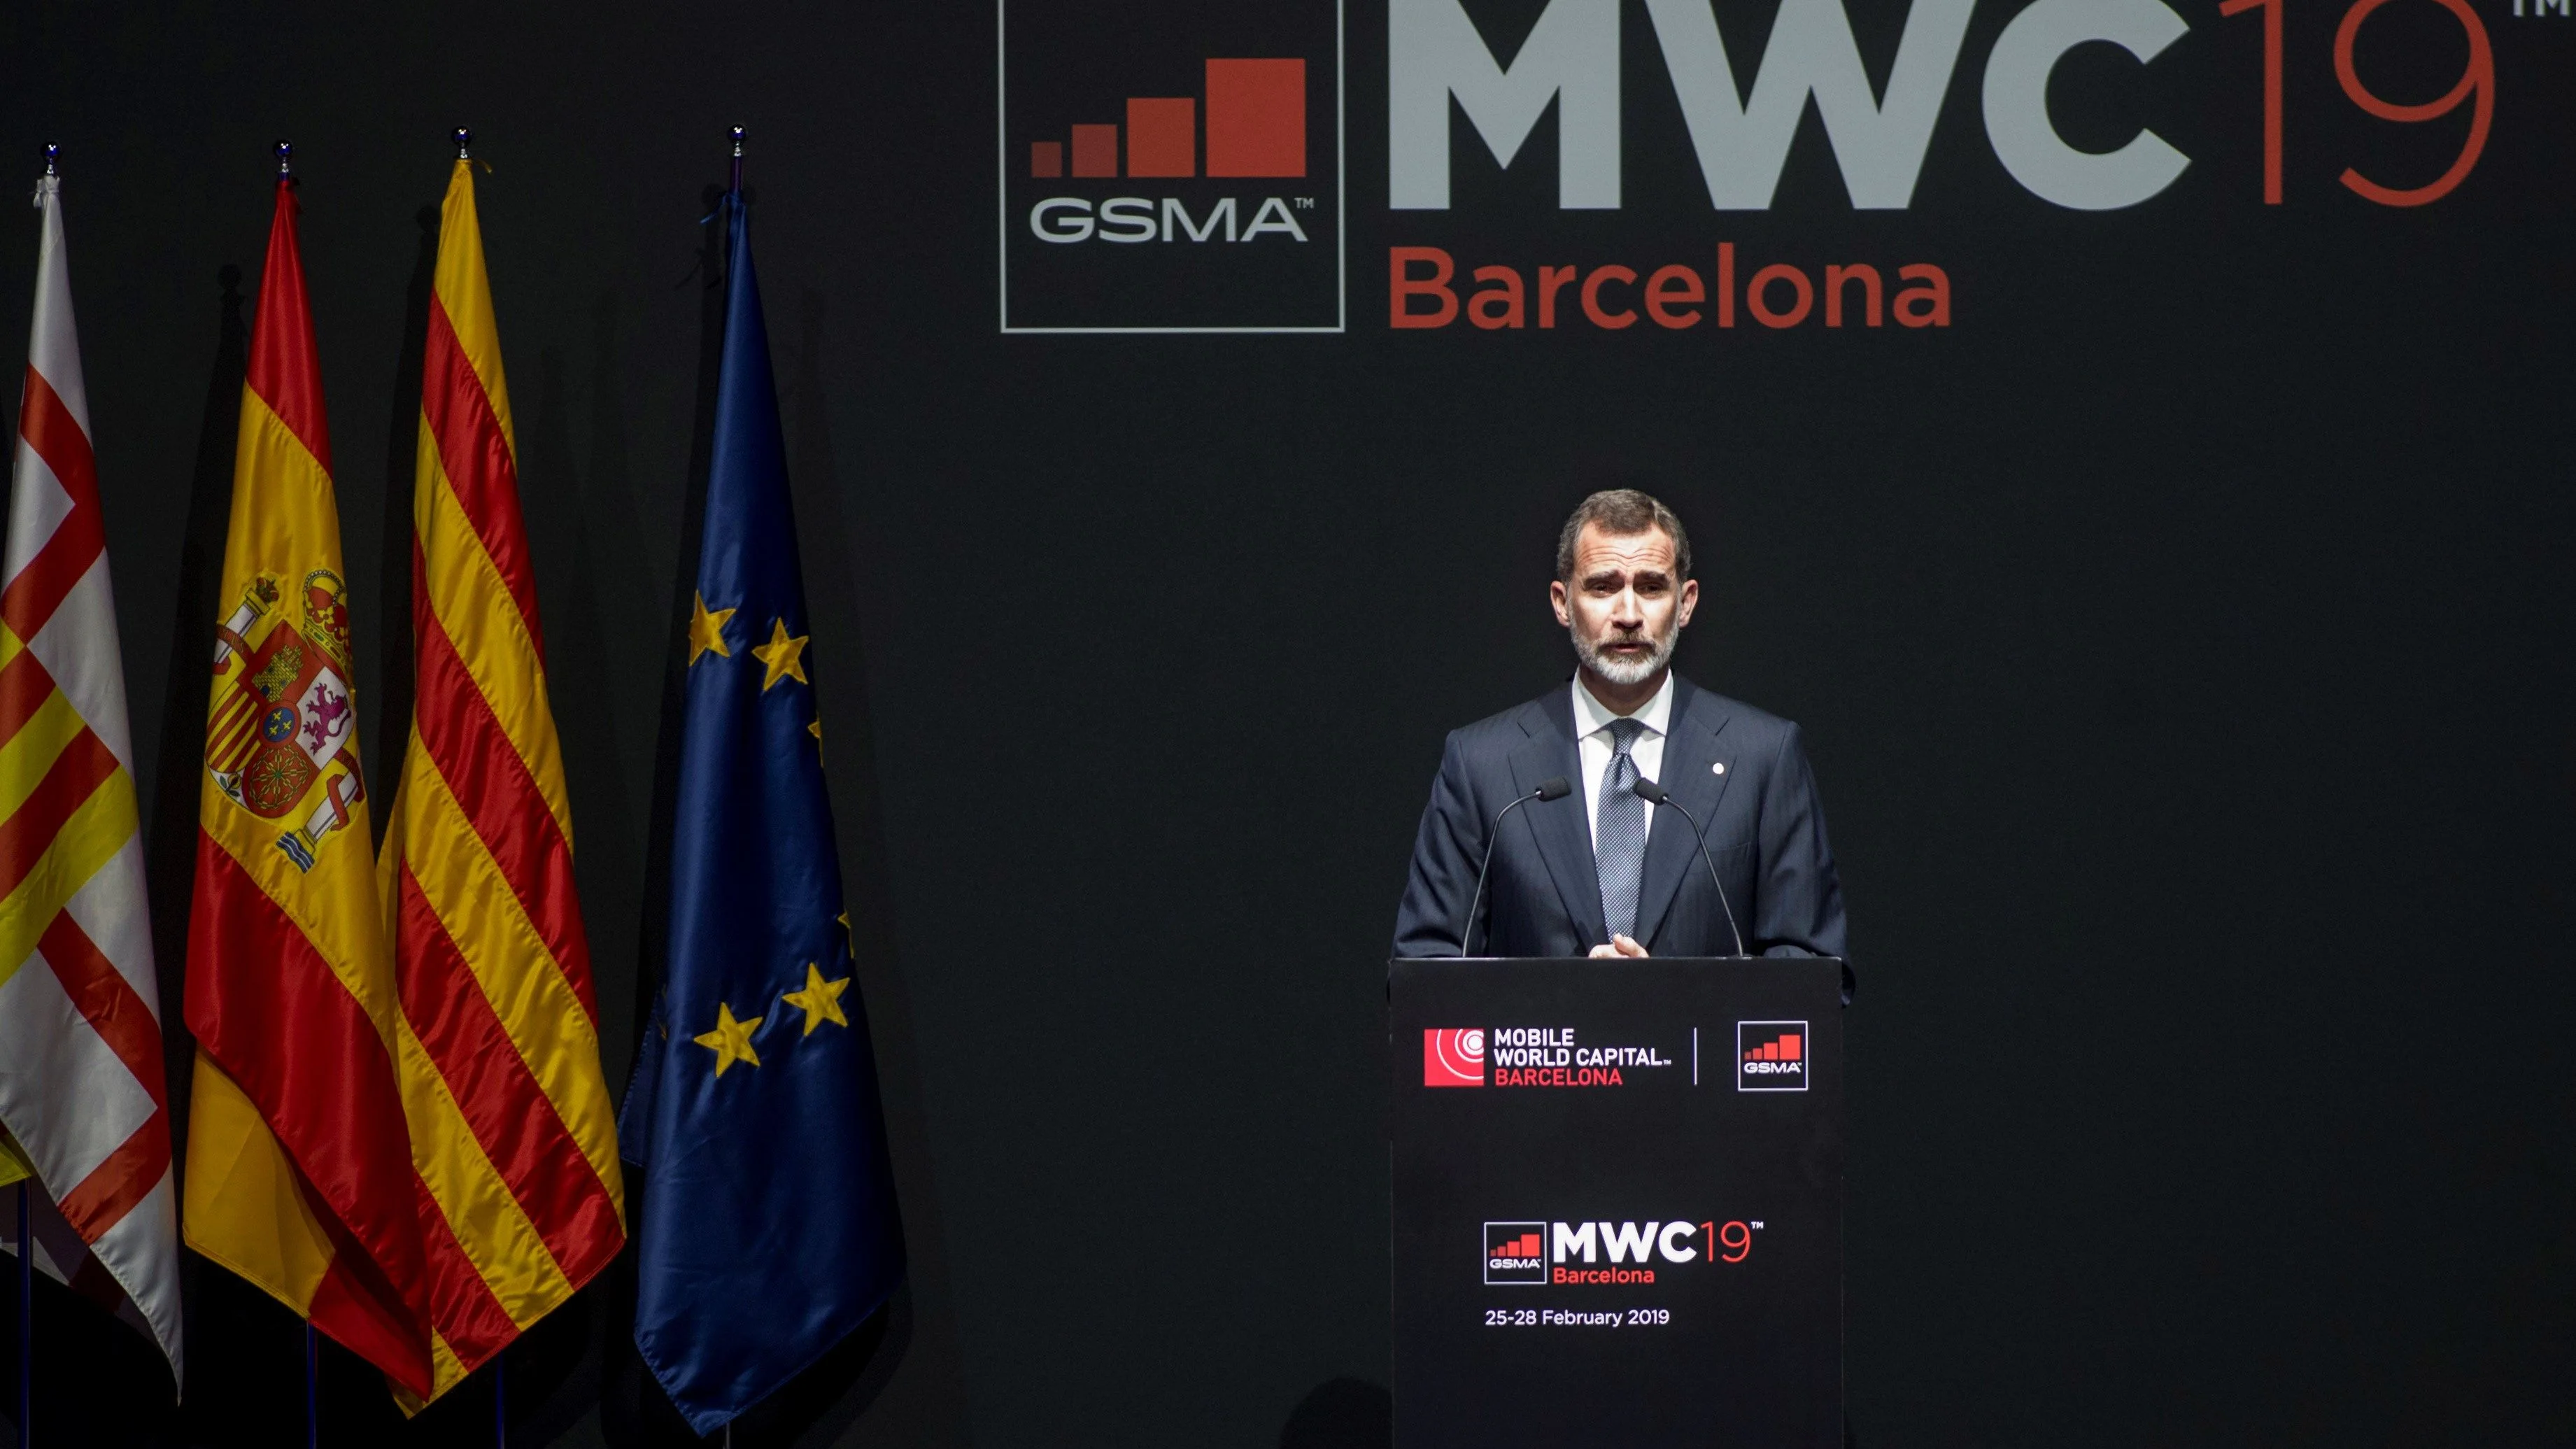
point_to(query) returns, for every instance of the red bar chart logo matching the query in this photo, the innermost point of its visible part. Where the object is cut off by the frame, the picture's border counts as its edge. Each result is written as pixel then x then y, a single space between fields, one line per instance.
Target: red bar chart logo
pixel 1771 1056
pixel 1256 127
pixel 1453 1057
pixel 1785 1049
pixel 1171 167
pixel 1515 1254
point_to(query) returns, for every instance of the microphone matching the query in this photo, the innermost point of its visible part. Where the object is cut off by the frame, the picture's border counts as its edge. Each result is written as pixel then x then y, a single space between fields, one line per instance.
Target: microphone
pixel 1552 788
pixel 1654 794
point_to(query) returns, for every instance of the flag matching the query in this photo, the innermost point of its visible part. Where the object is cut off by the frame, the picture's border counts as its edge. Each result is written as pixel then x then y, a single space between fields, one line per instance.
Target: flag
pixel 300 1171
pixel 80 1022
pixel 518 1149
pixel 766 1226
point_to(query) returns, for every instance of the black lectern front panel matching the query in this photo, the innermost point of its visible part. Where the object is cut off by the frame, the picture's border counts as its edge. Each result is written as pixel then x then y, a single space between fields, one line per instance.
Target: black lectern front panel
pixel 1618 1202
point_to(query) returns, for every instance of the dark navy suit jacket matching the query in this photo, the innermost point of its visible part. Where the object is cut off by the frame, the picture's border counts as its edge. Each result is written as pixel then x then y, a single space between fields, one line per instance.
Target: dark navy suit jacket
pixel 1766 833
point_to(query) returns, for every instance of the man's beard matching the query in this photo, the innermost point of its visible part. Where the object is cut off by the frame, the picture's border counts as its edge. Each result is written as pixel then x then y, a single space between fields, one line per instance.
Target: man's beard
pixel 1625 669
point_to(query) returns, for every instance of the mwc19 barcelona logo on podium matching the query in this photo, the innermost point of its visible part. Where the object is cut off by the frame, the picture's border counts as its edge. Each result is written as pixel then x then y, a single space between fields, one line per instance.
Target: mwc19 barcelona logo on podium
pixel 1171 169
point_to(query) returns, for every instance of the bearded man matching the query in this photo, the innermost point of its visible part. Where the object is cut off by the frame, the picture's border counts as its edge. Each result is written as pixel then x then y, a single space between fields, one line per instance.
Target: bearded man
pixel 1587 865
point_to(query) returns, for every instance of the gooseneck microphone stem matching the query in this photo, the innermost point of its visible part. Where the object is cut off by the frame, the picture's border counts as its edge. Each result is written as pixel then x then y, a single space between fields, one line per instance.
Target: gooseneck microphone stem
pixel 1654 794
pixel 1552 788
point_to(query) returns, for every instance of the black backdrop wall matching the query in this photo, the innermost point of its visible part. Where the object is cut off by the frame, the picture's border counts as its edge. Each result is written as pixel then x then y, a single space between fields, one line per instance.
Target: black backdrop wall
pixel 2182 637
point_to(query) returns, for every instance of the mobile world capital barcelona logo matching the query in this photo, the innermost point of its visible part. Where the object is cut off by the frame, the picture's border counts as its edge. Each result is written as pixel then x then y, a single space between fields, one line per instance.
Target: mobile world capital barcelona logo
pixel 1538 1056
pixel 1453 1056
pixel 1171 168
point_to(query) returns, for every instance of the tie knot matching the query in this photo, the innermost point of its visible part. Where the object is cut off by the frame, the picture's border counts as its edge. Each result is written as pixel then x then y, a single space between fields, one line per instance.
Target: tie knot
pixel 1623 735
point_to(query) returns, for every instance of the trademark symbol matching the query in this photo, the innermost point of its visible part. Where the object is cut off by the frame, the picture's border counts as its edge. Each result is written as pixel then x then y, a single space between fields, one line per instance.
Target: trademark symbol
pixel 1756 1225
pixel 1307 203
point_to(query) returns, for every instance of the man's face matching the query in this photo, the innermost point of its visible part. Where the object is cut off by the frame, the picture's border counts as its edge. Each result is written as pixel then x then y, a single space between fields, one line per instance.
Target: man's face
pixel 1624 609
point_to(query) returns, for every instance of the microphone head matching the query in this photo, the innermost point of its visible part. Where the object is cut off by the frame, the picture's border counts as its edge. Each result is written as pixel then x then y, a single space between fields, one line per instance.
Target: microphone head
pixel 1648 791
pixel 1554 788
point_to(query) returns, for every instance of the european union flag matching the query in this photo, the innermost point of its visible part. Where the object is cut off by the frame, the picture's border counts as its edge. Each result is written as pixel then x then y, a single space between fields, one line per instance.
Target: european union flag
pixel 768 1228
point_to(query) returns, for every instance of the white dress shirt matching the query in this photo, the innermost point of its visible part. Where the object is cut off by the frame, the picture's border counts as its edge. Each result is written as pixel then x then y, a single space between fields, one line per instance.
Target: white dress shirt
pixel 1592 736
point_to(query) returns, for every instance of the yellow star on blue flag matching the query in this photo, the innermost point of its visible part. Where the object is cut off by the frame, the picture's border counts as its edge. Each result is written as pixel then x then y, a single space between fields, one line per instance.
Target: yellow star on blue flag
pixel 731 1040
pixel 820 1000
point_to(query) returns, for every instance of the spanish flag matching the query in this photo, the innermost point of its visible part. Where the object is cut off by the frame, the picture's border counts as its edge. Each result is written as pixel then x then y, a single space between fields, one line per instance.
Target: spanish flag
pixel 300 1173
pixel 513 1133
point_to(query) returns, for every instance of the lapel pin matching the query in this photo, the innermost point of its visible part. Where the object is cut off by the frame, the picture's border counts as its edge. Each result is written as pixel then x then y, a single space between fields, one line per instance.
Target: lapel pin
pixel 1717 767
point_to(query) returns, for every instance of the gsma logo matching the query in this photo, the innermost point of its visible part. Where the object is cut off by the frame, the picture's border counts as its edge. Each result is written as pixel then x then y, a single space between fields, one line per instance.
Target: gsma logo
pixel 1515 1253
pixel 1771 1056
pixel 1168 167
pixel 1453 1056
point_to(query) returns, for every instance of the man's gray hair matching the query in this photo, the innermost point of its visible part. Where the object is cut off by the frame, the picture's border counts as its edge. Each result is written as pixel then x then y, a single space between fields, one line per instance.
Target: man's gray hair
pixel 1622 513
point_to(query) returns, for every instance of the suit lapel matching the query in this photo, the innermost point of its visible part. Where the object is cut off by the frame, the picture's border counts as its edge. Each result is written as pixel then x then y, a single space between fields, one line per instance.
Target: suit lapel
pixel 1691 748
pixel 1562 826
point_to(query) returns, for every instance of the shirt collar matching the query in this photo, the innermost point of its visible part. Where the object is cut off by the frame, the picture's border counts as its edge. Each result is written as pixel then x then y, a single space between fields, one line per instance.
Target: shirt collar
pixel 1591 716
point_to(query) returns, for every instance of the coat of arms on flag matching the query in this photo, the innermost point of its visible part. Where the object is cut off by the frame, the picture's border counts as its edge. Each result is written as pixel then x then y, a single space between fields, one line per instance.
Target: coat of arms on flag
pixel 281 731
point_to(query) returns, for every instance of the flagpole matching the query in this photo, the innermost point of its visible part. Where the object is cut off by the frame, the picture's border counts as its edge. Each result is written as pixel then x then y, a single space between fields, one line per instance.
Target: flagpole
pixel 27 1255
pixel 312 1400
pixel 26 1185
pixel 26 1203
pixel 285 150
pixel 26 1190
pixel 500 1401
pixel 312 1353
pixel 737 162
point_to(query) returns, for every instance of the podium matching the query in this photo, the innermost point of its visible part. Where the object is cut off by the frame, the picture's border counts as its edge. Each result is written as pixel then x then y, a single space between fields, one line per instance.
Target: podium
pixel 1618 1194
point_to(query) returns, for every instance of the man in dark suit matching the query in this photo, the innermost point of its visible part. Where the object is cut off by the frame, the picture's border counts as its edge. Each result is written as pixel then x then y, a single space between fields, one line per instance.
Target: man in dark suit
pixel 1601 871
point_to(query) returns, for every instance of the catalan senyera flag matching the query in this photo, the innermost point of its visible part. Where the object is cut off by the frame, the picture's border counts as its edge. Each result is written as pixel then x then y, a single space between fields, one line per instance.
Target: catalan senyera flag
pixel 300 1150
pixel 81 1089
pixel 518 1148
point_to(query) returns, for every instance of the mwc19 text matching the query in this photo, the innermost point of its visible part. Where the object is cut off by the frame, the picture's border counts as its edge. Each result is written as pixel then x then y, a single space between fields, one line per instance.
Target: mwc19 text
pixel 1569 67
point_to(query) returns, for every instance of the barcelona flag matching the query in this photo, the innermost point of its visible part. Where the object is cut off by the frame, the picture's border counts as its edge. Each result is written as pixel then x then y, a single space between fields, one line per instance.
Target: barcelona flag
pixel 766 1227
pixel 84 1107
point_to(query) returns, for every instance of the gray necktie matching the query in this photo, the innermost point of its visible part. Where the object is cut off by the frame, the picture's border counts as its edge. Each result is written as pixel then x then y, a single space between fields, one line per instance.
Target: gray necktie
pixel 1619 832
